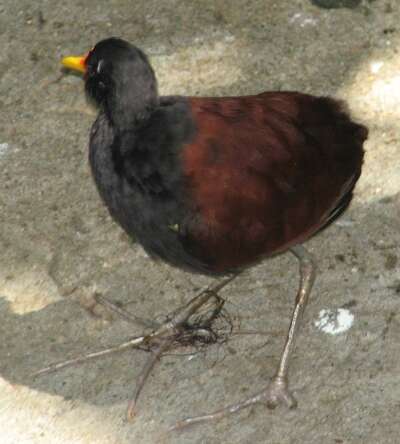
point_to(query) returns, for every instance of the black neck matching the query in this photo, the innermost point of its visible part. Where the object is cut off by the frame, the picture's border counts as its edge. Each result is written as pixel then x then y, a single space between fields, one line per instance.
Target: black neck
pixel 128 114
pixel 133 98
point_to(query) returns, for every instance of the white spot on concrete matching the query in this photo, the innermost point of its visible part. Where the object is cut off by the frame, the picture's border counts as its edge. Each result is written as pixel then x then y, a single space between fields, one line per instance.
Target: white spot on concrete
pixel 344 223
pixel 375 67
pixel 4 147
pixel 303 20
pixel 334 321
pixel 230 38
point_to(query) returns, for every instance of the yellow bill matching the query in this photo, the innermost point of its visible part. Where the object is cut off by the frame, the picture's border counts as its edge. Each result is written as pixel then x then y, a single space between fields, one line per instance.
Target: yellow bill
pixel 75 63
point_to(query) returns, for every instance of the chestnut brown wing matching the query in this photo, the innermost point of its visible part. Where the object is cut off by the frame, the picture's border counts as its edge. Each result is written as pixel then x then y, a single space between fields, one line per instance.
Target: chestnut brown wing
pixel 266 172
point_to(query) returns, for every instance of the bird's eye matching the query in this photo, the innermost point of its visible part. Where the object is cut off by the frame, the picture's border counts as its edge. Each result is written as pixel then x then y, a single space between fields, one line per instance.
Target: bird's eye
pixel 99 66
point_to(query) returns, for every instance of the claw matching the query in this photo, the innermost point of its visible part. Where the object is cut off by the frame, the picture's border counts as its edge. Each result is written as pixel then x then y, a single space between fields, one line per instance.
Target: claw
pixel 277 392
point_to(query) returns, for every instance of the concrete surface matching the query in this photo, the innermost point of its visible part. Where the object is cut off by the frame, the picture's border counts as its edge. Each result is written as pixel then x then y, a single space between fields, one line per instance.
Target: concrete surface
pixel 58 244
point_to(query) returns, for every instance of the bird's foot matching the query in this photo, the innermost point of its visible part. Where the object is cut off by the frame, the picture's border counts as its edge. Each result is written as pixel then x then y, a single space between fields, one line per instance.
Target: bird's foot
pixel 190 325
pixel 277 392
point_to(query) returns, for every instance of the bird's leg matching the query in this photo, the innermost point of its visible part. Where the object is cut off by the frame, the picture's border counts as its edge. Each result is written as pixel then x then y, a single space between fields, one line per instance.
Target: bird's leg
pixel 180 316
pixel 277 391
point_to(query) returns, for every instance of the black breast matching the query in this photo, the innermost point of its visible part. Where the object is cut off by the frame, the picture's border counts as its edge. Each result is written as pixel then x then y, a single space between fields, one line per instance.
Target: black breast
pixel 138 175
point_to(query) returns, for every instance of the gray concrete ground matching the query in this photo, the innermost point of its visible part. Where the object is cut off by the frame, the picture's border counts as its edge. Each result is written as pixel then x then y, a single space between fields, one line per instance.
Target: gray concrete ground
pixel 59 246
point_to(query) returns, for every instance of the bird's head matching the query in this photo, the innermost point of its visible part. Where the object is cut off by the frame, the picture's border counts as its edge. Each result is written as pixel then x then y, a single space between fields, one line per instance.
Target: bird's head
pixel 119 79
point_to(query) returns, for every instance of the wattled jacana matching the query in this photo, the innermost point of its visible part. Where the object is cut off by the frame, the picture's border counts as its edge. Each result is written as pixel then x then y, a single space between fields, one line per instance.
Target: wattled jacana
pixel 215 185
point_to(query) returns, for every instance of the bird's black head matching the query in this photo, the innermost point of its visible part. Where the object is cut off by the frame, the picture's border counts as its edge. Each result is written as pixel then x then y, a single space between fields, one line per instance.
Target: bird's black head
pixel 120 80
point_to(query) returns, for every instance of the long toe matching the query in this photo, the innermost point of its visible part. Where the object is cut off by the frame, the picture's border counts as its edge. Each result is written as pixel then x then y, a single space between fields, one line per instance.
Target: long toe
pixel 276 393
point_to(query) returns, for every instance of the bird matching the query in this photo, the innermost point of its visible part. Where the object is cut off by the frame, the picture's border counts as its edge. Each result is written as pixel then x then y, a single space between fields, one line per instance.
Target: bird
pixel 215 185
